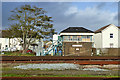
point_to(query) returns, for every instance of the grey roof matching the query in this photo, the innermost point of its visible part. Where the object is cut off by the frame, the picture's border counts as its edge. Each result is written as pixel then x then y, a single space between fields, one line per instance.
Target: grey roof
pixel 76 30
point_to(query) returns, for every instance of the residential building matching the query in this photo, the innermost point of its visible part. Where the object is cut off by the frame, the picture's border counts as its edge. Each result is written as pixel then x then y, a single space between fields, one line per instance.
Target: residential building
pixel 6 43
pixel 13 44
pixel 107 37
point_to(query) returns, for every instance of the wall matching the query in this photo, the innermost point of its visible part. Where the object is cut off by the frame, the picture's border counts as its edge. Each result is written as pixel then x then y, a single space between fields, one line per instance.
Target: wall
pixel 107 52
pixel 3 42
pixel 84 50
pixel 55 38
pixel 106 40
pixel 14 43
pixel 97 40
pixel 119 38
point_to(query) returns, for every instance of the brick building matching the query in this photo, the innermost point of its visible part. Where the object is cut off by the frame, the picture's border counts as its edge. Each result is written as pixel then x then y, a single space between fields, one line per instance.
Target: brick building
pixel 77 41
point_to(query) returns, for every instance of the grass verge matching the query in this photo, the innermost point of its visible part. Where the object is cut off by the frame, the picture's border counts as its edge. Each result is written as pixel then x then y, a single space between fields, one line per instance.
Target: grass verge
pixel 25 75
pixel 16 54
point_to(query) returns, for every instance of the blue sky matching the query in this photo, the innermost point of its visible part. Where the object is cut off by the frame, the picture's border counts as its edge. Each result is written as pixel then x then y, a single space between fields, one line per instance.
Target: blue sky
pixel 91 15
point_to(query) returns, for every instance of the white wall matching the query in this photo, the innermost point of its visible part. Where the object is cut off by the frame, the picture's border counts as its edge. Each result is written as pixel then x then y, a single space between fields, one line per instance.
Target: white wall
pixel 55 38
pixel 3 42
pixel 106 40
pixel 119 38
pixel 97 40
pixel 13 43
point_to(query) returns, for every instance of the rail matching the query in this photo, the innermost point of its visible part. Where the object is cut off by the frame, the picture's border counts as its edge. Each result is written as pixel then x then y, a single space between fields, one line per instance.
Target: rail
pixel 60 78
pixel 55 58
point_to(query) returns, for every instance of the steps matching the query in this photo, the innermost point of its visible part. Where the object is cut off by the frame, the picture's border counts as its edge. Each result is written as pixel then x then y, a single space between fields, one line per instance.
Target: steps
pixel 51 48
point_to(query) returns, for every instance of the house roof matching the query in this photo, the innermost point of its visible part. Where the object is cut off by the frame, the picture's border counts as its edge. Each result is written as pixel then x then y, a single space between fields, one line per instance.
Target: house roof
pixel 118 27
pixel 76 30
pixel 6 34
pixel 99 30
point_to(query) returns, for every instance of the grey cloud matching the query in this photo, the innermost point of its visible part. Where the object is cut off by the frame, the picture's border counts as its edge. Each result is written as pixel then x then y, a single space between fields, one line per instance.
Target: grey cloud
pixel 101 5
pixel 92 18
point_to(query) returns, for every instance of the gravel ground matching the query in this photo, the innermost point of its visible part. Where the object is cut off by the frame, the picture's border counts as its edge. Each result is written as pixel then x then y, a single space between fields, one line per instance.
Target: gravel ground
pixel 69 69
pixel 62 66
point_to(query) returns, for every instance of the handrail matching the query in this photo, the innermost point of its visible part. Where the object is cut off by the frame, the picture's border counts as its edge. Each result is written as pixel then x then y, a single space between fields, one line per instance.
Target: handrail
pixel 58 42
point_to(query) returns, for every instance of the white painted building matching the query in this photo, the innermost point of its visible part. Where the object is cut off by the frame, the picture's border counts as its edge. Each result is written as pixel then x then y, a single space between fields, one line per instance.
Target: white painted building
pixel 10 43
pixel 119 37
pixel 13 44
pixel 55 38
pixel 107 37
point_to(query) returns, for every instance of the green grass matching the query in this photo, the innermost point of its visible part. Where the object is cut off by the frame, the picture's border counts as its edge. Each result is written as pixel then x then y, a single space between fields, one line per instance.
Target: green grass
pixel 16 54
pixel 25 75
pixel 14 75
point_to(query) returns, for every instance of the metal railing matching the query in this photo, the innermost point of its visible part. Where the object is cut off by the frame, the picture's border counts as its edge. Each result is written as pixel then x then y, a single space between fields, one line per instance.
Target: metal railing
pixel 52 47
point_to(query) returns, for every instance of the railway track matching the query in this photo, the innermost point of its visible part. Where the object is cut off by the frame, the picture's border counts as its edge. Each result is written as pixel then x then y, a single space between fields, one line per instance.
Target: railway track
pixel 59 78
pixel 75 62
pixel 56 59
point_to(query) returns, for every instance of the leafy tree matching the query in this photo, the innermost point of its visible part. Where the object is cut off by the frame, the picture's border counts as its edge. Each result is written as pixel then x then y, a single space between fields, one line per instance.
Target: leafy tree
pixel 30 22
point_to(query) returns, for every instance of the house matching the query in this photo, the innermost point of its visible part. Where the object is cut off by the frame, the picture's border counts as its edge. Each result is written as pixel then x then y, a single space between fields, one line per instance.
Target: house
pixel 77 41
pixel 12 44
pixel 107 40
pixel 107 37
pixel 9 43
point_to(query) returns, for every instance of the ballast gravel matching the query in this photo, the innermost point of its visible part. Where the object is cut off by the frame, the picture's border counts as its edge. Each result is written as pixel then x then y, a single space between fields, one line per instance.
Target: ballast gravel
pixel 95 69
pixel 61 66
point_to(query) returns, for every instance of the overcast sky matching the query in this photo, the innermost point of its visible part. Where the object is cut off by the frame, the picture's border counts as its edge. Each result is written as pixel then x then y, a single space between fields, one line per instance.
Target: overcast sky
pixel 91 15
